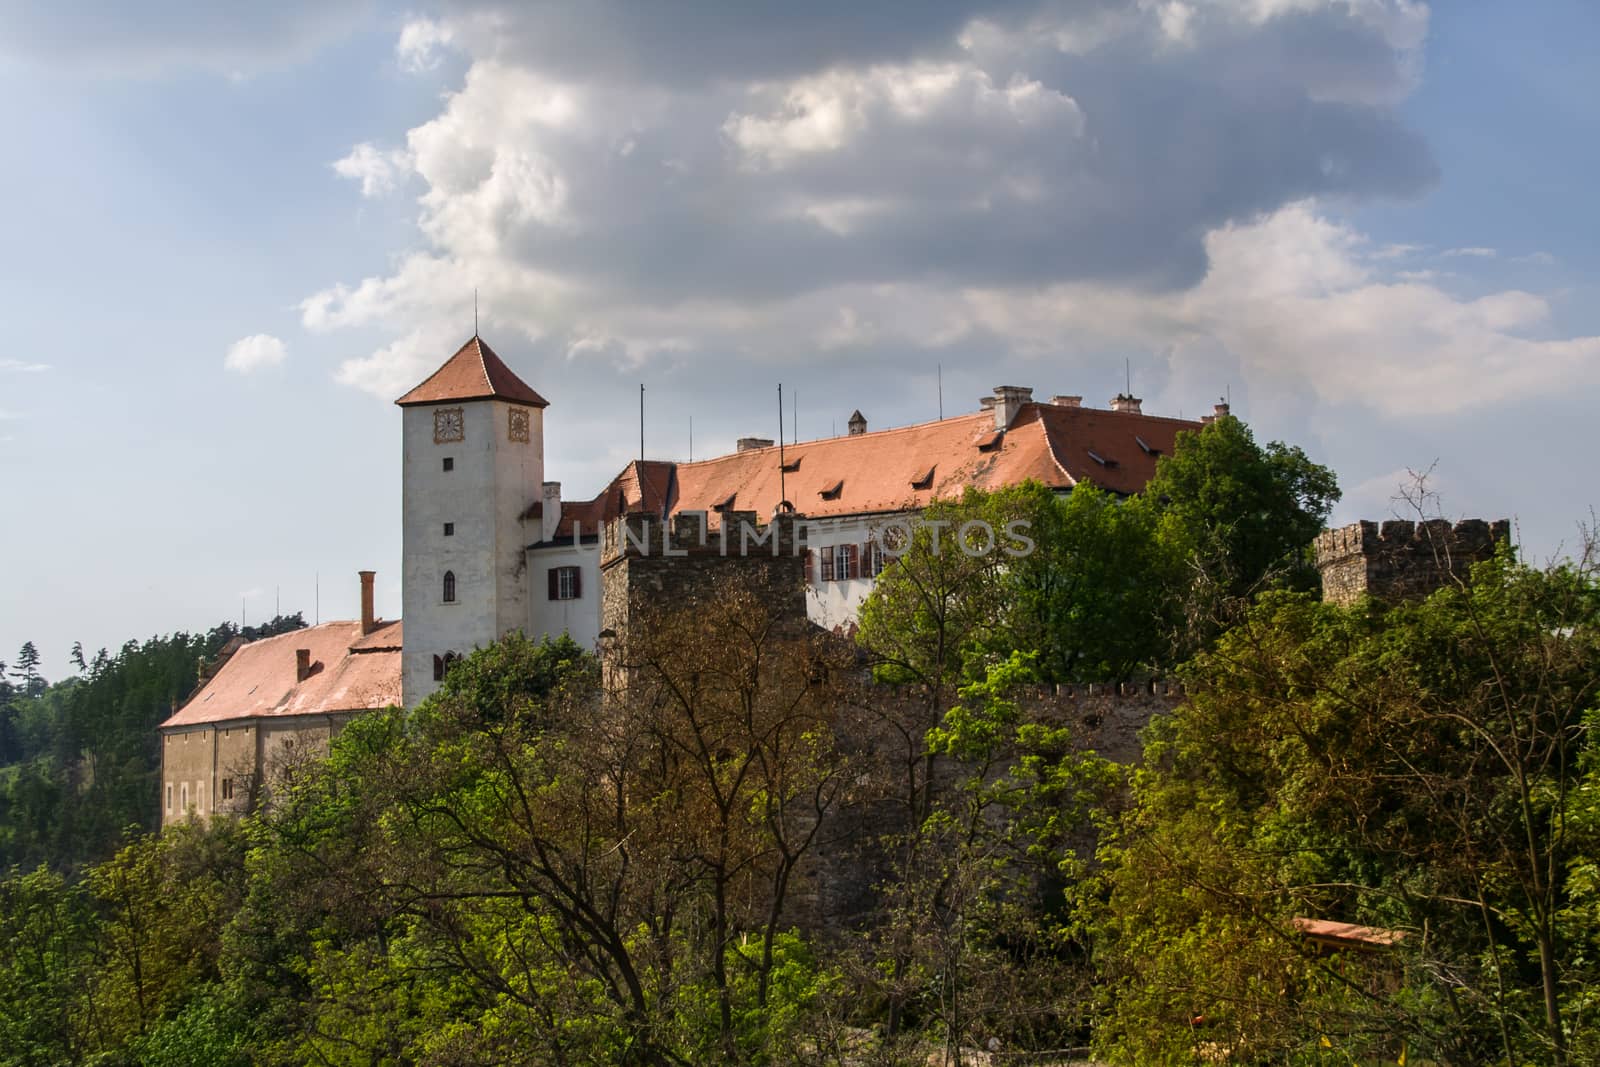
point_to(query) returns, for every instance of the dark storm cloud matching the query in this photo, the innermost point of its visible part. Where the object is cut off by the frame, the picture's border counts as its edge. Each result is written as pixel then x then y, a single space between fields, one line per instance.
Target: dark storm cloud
pixel 683 44
pixel 1114 163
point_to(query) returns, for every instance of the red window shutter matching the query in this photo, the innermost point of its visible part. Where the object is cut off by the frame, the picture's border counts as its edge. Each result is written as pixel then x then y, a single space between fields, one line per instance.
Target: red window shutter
pixel 866 560
pixel 555 583
pixel 811 566
pixel 850 567
pixel 577 582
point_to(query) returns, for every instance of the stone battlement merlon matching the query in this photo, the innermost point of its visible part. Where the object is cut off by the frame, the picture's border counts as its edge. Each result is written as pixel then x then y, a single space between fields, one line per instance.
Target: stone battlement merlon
pixel 689 533
pixel 1398 559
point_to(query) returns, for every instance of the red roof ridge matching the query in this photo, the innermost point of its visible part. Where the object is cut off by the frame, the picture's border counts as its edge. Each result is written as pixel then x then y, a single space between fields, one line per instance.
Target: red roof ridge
pixel 797 446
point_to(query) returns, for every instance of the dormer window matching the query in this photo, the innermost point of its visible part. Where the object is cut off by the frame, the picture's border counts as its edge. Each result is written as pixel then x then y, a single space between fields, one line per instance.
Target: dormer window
pixel 833 492
pixel 1102 460
pixel 791 465
pixel 449 587
pixel 924 480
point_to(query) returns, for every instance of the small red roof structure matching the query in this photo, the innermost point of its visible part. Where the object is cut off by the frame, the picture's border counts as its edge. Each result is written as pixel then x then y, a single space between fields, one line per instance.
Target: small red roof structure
pixel 346 672
pixel 1331 934
pixel 473 373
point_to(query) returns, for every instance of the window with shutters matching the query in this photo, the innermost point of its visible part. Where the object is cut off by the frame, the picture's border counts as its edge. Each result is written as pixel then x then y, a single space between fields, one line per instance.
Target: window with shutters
pixel 839 563
pixel 872 559
pixel 566 583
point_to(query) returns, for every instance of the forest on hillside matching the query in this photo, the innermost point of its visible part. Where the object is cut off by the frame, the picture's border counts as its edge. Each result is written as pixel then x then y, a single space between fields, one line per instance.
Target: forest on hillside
pixel 735 844
pixel 79 758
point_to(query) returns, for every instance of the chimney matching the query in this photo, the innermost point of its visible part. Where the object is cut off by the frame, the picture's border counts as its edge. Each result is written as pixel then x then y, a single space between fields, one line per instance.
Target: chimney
pixel 368 622
pixel 750 444
pixel 302 664
pixel 1218 410
pixel 1008 400
pixel 1126 402
pixel 550 513
pixel 1067 401
pixel 986 403
pixel 857 423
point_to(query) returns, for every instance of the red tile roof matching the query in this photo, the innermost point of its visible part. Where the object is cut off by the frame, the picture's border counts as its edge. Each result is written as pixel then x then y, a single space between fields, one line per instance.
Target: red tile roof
pixel 473 373
pixel 349 672
pixel 888 470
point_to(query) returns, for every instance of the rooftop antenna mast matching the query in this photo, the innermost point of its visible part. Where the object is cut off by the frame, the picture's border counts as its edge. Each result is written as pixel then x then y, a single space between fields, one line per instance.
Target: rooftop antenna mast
pixel 794 431
pixel 1127 370
pixel 641 422
pixel 691 438
pixel 940 372
pixel 316 598
pixel 783 493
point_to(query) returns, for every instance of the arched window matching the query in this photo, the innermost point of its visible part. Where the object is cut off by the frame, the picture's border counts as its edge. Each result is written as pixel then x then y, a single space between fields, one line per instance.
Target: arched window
pixel 449 587
pixel 442 665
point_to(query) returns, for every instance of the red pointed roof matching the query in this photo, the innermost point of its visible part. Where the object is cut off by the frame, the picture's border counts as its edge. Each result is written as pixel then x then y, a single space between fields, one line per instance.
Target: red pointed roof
pixel 473 373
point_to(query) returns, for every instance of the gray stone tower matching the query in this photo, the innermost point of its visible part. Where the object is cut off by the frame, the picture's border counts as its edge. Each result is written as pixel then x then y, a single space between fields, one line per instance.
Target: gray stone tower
pixel 1400 560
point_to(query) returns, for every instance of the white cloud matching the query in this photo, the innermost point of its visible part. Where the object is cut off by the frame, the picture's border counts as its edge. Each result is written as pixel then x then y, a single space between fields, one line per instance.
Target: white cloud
pixel 1474 252
pixel 250 354
pixel 1538 259
pixel 376 170
pixel 825 113
pixel 22 366
pixel 421 41
pixel 982 191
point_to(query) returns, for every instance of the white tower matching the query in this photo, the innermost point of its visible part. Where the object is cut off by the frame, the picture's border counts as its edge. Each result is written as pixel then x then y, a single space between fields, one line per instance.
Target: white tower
pixel 473 463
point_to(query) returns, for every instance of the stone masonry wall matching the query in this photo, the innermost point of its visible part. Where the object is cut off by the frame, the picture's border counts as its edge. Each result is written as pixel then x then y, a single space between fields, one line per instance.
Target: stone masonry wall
pixel 1399 560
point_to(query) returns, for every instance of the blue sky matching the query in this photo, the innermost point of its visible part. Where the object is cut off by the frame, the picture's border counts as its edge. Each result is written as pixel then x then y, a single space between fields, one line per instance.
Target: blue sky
pixel 1368 221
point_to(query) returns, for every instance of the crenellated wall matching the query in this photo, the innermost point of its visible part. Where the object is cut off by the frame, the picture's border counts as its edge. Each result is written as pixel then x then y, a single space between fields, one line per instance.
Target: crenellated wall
pixel 1400 560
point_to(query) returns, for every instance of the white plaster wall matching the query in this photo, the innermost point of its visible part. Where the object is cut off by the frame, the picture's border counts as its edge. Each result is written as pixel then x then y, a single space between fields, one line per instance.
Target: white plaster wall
pixel 493 482
pixel 831 604
pixel 579 618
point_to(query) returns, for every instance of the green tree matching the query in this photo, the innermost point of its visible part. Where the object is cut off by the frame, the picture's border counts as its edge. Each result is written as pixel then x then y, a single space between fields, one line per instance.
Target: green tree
pixel 1243 515
pixel 1427 769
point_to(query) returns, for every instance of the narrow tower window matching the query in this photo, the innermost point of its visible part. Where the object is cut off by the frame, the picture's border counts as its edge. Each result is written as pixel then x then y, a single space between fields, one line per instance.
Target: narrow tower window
pixel 449 587
pixel 449 529
pixel 449 463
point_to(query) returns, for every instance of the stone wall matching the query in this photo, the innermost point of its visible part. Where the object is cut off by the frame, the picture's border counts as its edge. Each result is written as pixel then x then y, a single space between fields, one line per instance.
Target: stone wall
pixel 647 561
pixel 1399 560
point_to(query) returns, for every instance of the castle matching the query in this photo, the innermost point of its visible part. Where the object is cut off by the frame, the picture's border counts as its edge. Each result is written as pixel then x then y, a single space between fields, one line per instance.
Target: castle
pixel 490 547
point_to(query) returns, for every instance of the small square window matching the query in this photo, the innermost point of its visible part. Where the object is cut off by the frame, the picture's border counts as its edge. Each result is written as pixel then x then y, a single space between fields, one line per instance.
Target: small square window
pixel 449 463
pixel 449 529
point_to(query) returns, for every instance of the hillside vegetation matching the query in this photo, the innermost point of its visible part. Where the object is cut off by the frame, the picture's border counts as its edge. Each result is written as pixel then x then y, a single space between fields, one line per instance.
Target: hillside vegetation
pixel 739 845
